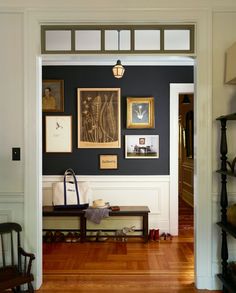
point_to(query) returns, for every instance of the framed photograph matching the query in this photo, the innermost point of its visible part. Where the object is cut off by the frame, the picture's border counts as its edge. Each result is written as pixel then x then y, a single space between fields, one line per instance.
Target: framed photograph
pixel 140 112
pixel 53 96
pixel 98 117
pixel 58 134
pixel 142 146
pixel 107 162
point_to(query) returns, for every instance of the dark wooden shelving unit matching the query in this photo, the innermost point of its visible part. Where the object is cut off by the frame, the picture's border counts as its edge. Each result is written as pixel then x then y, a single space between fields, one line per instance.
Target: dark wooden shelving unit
pixel 229 285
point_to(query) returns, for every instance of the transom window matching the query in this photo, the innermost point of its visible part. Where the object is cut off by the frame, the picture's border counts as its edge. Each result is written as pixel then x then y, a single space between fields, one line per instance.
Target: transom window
pixel 71 39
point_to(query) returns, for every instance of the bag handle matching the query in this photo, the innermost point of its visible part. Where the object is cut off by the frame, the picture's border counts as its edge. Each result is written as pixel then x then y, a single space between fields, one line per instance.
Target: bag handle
pixel 70 172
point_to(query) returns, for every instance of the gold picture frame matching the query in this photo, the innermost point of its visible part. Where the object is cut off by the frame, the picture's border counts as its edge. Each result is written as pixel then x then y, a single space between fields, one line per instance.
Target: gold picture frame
pixel 140 112
pixel 58 134
pixel 98 118
pixel 53 95
pixel 108 162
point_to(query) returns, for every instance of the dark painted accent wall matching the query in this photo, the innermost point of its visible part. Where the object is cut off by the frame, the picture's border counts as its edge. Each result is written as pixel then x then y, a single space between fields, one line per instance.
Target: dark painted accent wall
pixel 138 81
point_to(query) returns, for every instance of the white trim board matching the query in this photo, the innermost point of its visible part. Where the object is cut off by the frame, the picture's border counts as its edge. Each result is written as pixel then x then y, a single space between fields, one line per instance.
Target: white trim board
pixel 175 90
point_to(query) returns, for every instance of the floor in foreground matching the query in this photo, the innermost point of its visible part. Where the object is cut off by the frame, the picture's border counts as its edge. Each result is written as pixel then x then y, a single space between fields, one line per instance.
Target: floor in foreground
pixel 132 266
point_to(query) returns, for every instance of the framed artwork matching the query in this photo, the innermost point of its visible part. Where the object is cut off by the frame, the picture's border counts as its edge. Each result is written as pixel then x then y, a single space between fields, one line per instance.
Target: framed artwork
pixel 142 146
pixel 140 112
pixel 98 117
pixel 58 134
pixel 53 96
pixel 108 162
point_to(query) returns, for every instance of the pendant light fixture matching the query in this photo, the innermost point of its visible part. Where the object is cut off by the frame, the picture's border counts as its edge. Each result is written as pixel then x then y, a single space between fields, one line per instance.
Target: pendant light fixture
pixel 186 100
pixel 118 70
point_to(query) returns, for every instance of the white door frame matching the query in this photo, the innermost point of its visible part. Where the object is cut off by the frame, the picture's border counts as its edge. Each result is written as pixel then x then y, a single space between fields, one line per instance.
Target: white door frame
pixel 203 121
pixel 175 90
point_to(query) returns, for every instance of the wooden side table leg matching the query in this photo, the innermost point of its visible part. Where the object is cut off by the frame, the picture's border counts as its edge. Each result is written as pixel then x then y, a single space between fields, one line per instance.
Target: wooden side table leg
pixel 145 228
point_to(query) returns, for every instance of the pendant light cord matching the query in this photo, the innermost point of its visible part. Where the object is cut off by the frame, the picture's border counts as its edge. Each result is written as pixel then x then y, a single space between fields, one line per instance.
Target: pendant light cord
pixel 118 40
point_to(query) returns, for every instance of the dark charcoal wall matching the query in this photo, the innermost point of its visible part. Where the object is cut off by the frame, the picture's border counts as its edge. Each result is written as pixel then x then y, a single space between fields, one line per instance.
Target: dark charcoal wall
pixel 139 81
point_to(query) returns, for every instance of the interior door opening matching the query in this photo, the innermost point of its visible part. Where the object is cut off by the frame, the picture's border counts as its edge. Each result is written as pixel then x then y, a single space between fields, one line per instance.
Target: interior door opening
pixel 186 164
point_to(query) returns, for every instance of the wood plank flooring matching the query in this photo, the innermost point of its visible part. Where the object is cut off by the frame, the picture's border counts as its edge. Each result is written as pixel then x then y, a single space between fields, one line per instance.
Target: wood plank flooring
pixel 133 266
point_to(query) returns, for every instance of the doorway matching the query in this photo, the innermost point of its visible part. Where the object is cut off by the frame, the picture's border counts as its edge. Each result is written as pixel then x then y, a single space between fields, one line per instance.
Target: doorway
pixel 186 164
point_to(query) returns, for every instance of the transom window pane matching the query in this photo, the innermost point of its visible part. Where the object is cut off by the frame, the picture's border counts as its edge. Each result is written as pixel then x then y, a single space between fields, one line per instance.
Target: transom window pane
pixel 111 40
pixel 58 40
pixel 88 40
pixel 177 39
pixel 147 40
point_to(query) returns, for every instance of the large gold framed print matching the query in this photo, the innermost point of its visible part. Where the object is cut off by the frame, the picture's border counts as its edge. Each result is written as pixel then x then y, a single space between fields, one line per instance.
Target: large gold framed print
pixel 98 117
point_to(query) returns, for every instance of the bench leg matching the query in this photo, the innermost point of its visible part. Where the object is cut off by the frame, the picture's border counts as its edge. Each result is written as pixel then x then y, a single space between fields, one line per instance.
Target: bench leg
pixel 145 228
pixel 83 228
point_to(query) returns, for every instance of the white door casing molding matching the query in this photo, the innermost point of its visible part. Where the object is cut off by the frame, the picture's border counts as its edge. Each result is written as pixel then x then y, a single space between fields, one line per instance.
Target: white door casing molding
pixel 33 197
pixel 175 90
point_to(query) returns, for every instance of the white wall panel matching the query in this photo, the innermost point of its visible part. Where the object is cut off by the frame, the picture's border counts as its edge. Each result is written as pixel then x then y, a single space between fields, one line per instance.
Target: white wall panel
pixel 151 191
pixel 11 101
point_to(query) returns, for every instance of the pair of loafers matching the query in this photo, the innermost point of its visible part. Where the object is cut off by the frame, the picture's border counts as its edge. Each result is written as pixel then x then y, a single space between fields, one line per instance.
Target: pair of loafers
pixel 166 236
pixel 58 236
pixel 72 237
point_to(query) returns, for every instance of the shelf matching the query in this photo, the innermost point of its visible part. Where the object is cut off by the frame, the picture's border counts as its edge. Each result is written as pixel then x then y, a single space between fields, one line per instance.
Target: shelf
pixel 228 173
pixel 227 282
pixel 228 228
pixel 227 117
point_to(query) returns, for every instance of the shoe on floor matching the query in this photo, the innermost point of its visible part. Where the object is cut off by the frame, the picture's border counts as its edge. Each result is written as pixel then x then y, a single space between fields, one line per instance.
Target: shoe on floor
pixel 69 237
pixel 75 238
pixel 48 237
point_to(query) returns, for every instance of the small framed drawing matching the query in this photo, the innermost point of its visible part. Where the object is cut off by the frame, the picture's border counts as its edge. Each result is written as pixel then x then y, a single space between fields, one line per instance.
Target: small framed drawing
pixel 98 118
pixel 142 146
pixel 107 162
pixel 53 95
pixel 58 134
pixel 140 112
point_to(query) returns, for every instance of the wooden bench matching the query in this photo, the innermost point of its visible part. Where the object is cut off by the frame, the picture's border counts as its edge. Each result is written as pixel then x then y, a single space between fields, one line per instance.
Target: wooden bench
pixel 125 211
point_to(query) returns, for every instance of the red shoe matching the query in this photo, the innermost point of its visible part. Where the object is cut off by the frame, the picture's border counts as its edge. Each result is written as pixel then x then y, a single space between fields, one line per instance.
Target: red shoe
pixel 151 235
pixel 156 235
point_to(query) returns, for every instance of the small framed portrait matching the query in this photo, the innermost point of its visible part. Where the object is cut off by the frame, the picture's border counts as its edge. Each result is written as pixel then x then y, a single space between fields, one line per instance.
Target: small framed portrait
pixel 142 147
pixel 108 162
pixel 53 96
pixel 58 134
pixel 140 112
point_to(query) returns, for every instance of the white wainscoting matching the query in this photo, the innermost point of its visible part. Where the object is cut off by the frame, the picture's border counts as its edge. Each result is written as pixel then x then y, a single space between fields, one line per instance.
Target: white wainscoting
pixel 151 191
pixel 11 210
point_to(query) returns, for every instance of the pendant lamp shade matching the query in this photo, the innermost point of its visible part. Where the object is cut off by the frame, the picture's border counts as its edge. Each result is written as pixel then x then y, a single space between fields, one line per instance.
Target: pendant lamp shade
pixel 118 70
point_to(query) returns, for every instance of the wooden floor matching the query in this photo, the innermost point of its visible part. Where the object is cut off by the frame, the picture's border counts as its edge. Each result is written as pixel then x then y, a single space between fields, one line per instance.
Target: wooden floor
pixel 166 266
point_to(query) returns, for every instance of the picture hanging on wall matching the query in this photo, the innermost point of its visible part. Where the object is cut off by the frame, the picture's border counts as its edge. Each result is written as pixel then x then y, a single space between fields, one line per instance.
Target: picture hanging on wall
pixel 98 117
pixel 108 162
pixel 53 96
pixel 58 134
pixel 142 146
pixel 140 112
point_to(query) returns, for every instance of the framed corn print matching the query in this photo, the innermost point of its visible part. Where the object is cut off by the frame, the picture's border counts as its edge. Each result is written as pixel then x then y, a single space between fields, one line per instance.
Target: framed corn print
pixel 98 117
